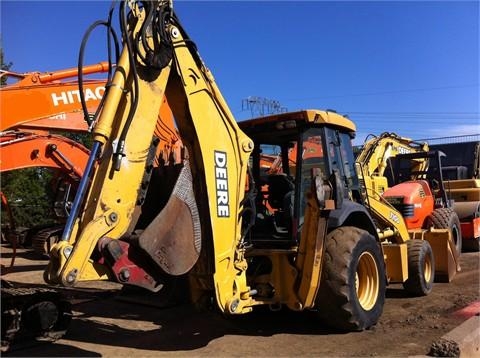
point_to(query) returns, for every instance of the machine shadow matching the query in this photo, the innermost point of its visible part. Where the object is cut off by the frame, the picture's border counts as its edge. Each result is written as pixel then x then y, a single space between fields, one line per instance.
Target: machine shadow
pixel 25 253
pixel 180 328
pixel 47 349
pixel 396 292
pixel 25 268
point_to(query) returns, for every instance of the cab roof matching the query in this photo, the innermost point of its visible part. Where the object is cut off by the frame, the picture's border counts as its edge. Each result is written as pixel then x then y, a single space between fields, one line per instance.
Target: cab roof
pixel 309 116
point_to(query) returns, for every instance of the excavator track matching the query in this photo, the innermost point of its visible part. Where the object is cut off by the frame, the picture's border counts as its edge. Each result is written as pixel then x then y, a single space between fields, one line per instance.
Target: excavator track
pixel 31 315
pixel 43 240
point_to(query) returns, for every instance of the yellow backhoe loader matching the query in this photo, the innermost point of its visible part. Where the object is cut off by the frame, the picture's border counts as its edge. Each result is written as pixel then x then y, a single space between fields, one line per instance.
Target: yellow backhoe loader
pixel 319 250
pixel 307 242
pixel 418 228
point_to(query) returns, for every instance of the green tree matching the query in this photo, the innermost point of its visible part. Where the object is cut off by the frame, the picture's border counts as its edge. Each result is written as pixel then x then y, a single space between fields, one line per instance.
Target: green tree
pixel 30 195
pixel 85 139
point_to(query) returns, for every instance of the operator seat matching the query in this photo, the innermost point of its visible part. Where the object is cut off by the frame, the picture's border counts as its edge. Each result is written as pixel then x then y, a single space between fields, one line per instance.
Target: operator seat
pixel 280 196
pixel 279 185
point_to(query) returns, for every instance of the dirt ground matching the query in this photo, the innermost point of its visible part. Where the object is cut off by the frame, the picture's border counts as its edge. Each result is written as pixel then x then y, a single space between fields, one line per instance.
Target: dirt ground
pixel 106 326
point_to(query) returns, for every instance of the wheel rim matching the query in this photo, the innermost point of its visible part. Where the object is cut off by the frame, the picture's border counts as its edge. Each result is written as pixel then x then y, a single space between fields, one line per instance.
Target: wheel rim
pixel 427 268
pixel 367 281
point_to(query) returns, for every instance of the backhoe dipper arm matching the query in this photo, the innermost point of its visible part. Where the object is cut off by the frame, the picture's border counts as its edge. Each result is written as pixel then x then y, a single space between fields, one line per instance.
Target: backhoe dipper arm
pixel 205 204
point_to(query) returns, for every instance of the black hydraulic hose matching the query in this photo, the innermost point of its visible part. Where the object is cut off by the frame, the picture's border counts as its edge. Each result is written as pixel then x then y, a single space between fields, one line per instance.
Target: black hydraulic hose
pixel 156 57
pixel 110 34
pixel 120 150
pixel 142 32
pixel 109 43
pixel 80 66
pixel 110 67
pixel 160 53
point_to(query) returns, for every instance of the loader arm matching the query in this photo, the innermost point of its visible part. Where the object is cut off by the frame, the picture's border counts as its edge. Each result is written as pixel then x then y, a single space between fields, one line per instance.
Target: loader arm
pixel 200 225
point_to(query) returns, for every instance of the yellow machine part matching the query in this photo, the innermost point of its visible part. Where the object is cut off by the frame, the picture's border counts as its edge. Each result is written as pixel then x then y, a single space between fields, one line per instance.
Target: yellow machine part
pixel 396 262
pixel 465 194
pixel 462 183
pixel 444 252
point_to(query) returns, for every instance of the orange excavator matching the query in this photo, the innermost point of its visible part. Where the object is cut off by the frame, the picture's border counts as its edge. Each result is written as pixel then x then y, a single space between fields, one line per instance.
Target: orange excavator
pixel 22 149
pixel 28 133
pixel 48 101
pixel 31 110
pixel 34 111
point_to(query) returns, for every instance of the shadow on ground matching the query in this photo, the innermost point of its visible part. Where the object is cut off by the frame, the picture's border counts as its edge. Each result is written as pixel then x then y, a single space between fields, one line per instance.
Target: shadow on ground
pixel 111 322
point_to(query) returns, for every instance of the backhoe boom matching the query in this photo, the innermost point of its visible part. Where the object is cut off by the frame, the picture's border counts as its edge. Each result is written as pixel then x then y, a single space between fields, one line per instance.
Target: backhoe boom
pixel 111 207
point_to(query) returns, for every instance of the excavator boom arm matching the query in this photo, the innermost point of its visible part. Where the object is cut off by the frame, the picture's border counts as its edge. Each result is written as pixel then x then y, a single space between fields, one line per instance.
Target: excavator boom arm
pixel 23 149
pixel 48 101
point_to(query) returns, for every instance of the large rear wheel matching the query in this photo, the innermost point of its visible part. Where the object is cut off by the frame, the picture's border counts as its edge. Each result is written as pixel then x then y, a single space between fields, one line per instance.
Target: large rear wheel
pixel 352 289
pixel 421 268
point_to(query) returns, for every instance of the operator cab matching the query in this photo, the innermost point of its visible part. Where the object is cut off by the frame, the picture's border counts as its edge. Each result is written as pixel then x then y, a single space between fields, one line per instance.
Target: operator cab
pixel 283 174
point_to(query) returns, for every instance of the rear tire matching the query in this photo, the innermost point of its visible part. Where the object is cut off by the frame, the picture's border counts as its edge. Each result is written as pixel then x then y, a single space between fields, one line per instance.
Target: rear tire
pixel 352 289
pixel 446 218
pixel 421 268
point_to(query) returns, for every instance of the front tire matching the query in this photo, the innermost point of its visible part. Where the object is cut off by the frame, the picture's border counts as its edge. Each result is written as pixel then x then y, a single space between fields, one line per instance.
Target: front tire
pixel 352 289
pixel 421 268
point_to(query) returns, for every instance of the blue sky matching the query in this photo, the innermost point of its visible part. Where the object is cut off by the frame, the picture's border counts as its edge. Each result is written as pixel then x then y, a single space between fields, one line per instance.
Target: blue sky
pixel 408 67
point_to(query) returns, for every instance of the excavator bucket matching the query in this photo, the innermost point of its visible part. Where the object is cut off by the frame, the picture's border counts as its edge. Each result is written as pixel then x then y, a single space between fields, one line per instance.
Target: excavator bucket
pixel 173 238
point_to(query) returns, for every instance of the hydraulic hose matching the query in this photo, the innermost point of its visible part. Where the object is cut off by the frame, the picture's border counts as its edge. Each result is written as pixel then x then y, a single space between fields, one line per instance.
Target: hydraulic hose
pixel 110 34
pixel 157 57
